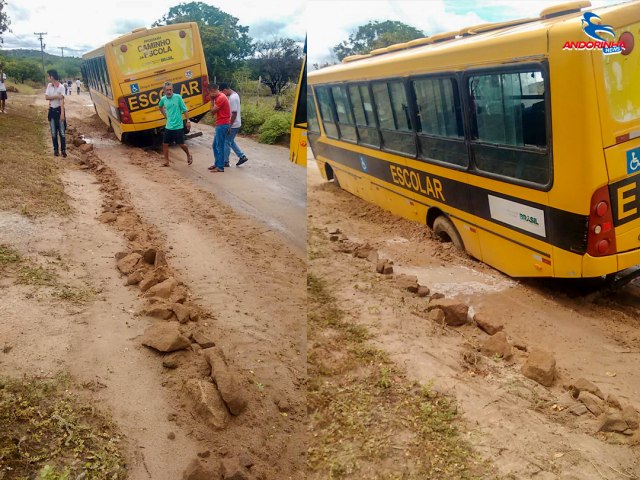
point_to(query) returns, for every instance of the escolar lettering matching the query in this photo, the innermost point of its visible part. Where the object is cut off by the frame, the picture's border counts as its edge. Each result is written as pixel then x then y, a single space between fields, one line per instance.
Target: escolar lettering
pixel 152 98
pixel 417 181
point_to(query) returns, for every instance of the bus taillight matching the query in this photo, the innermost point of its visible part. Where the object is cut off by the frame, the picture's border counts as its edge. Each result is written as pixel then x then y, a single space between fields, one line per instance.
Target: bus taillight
pixel 601 239
pixel 125 115
pixel 206 98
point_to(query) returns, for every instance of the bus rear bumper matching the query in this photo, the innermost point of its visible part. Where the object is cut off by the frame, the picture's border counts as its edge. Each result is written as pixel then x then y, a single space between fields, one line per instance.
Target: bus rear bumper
pixel 598 266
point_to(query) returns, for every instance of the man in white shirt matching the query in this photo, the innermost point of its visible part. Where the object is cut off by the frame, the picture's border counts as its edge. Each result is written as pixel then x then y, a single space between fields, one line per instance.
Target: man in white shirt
pixel 78 85
pixel 55 94
pixel 3 92
pixel 236 123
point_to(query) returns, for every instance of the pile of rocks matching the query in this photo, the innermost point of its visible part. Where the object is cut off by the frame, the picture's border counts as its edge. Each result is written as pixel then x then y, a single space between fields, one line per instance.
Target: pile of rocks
pixel 582 396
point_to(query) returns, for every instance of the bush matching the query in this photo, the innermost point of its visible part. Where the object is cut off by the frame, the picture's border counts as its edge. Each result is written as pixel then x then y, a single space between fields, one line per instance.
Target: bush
pixel 275 128
pixel 253 117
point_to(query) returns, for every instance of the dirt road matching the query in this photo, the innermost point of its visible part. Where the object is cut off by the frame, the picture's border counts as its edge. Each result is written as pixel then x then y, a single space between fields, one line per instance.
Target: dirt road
pixel 519 426
pixel 236 244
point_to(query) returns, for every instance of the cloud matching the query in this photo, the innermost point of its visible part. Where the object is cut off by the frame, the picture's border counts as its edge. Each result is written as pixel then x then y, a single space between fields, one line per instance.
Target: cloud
pixel 265 29
pixel 125 25
pixel 17 13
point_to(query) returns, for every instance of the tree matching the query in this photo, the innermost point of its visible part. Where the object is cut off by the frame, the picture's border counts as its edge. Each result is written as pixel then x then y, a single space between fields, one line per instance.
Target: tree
pixel 374 35
pixel 278 62
pixel 225 43
pixel 4 19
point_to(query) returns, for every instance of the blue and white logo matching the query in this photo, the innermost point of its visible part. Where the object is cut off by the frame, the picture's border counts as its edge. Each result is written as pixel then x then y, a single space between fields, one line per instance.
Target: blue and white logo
pixel 135 88
pixel 633 161
pixel 593 29
pixel 363 163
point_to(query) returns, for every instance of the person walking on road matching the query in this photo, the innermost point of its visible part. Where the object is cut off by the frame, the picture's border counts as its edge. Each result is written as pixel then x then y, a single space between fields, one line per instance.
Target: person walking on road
pixel 236 123
pixel 55 94
pixel 219 108
pixel 172 107
pixel 78 85
pixel 3 93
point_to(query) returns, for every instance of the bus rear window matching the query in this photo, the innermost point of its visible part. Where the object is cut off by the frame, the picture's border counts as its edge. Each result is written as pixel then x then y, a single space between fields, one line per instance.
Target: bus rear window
pixel 154 51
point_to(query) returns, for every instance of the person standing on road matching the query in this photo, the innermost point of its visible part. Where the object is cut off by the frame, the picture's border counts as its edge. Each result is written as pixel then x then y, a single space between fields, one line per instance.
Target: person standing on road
pixel 219 108
pixel 172 107
pixel 55 94
pixel 3 92
pixel 78 85
pixel 236 123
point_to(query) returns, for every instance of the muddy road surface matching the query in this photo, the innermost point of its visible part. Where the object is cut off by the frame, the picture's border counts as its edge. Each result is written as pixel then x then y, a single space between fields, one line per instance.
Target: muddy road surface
pixel 524 429
pixel 230 250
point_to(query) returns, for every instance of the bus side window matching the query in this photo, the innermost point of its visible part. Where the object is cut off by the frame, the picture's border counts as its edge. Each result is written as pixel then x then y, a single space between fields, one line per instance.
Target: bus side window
pixel 393 117
pixel 508 118
pixel 323 94
pixel 345 116
pixel 312 118
pixel 364 117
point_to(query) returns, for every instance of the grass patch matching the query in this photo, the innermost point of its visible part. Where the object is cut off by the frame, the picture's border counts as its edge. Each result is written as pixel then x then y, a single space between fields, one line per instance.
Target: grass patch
pixel 35 275
pixel 368 420
pixel 22 88
pixel 8 255
pixel 29 181
pixel 73 294
pixel 47 430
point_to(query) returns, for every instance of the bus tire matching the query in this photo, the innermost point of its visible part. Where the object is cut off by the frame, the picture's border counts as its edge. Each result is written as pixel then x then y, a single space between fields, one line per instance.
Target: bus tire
pixel 446 231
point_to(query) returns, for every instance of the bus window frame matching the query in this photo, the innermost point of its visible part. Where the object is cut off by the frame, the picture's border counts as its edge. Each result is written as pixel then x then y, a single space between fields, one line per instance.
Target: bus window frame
pixel 412 117
pixel 349 108
pixel 462 140
pixel 332 107
pixel 525 67
pixel 310 99
pixel 376 126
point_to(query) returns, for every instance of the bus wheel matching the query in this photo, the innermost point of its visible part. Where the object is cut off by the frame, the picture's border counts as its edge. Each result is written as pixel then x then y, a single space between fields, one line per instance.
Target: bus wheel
pixel 446 232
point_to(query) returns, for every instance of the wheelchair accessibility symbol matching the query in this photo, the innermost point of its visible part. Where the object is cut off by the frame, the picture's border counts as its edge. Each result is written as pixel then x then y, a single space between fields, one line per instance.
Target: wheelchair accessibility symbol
pixel 363 163
pixel 633 161
pixel 135 88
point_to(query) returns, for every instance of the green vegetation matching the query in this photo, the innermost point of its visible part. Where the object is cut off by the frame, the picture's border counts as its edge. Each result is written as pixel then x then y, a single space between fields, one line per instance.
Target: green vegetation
pixel 26 65
pixel 374 35
pixel 47 429
pixel 275 129
pixel 368 419
pixel 29 177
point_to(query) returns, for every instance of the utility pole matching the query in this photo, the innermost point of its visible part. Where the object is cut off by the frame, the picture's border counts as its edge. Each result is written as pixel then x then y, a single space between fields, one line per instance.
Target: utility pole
pixel 62 49
pixel 40 36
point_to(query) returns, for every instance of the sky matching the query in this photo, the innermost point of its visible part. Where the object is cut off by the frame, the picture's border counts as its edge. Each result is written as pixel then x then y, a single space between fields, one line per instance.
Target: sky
pixel 81 26
pixel 334 20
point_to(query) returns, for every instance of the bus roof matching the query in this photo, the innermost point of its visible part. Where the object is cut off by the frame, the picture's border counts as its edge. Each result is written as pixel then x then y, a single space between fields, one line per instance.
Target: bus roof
pixel 489 42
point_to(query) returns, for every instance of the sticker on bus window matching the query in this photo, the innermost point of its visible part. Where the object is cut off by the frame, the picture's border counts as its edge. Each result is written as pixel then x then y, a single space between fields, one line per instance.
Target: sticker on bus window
pixel 633 160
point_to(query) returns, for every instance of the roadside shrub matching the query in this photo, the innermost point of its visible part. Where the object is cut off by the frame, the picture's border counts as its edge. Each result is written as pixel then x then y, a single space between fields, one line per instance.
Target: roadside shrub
pixel 253 117
pixel 275 128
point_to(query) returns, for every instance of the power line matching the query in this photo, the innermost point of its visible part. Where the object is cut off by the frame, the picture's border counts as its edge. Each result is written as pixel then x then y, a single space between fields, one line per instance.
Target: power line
pixel 40 36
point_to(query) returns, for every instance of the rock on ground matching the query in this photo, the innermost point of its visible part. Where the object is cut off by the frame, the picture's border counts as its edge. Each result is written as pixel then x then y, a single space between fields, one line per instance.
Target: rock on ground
pixel 487 324
pixel 195 471
pixel 540 367
pixel 593 403
pixel 584 385
pixel 153 277
pixel 208 402
pixel 128 264
pixel 226 380
pixel 165 337
pixel 160 309
pixel 407 282
pixel 455 312
pixel 233 470
pixel 612 422
pixel 162 289
pixel 630 416
pixel 497 344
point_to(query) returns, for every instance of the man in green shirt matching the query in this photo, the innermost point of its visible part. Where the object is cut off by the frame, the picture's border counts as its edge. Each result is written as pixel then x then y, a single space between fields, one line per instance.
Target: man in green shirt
pixel 172 107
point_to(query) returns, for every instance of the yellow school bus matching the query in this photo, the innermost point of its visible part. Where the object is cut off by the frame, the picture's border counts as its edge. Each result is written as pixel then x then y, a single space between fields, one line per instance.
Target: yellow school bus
pixel 126 76
pixel 298 143
pixel 518 141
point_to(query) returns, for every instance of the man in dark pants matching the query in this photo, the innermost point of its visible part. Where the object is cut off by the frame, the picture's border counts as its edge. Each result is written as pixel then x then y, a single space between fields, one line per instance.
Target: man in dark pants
pixel 172 107
pixel 55 94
